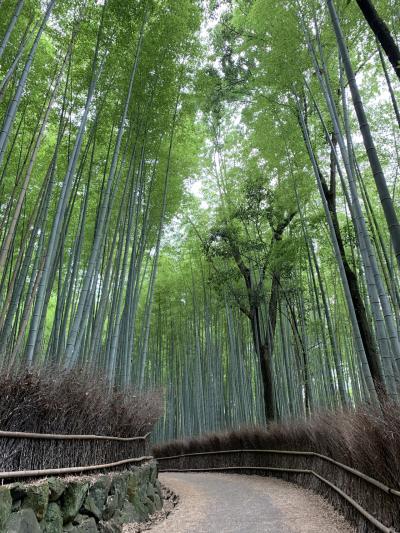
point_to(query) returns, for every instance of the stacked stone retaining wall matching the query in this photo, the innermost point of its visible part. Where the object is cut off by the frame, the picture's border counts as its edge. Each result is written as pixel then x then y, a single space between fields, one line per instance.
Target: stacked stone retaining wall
pixel 96 504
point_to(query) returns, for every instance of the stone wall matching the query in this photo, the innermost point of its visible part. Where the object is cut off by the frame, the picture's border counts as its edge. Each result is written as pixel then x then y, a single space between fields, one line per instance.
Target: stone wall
pixel 101 503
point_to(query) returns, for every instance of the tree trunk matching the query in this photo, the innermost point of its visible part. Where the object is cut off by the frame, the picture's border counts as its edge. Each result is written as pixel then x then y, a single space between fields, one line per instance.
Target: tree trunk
pixel 265 346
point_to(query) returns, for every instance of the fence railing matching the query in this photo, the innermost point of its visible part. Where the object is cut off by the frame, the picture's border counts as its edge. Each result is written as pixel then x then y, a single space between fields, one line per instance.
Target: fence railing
pixel 375 502
pixel 31 455
pixel 54 436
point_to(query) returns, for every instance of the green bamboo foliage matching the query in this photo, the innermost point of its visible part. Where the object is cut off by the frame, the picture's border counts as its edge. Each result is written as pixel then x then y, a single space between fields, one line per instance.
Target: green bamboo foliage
pixel 294 152
pixel 89 154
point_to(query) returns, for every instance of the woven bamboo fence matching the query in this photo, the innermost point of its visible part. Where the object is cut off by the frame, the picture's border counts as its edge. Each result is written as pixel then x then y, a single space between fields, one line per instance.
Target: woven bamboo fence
pixel 30 455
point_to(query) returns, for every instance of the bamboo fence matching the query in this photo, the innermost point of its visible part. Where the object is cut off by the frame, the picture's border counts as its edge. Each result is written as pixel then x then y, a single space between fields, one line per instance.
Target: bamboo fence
pixel 31 455
pixel 365 501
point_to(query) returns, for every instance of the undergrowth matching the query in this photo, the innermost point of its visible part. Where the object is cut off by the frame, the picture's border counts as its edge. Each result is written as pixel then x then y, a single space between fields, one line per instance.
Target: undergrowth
pixel 367 439
pixel 52 400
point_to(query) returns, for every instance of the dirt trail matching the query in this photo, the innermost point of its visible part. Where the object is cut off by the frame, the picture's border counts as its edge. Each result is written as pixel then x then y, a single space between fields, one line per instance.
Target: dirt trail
pixel 223 503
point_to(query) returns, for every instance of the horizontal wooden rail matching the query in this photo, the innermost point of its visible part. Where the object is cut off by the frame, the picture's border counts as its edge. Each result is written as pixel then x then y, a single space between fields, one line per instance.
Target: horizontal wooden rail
pixel 71 470
pixel 360 509
pixel 353 471
pixel 51 436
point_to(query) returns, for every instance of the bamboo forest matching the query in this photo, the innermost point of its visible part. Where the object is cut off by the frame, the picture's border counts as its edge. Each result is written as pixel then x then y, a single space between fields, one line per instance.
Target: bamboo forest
pixel 201 198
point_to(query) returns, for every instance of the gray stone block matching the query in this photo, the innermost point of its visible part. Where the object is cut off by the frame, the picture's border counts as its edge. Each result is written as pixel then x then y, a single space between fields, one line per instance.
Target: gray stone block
pixel 23 521
pixel 53 520
pixel 5 506
pixel 72 499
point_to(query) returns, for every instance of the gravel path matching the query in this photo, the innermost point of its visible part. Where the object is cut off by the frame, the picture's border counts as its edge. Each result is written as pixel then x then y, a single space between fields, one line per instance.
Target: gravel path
pixel 225 503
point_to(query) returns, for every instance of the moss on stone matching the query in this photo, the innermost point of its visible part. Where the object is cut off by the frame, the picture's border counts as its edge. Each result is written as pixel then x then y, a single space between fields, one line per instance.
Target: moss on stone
pixel 72 499
pixel 5 506
pixel 36 498
pixel 53 520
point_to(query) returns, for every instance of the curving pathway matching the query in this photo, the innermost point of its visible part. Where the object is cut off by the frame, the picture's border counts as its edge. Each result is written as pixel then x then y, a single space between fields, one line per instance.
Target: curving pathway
pixel 226 503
